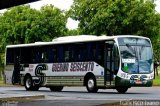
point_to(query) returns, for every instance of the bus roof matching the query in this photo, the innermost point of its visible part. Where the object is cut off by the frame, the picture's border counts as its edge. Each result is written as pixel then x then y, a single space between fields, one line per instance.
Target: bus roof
pixel 72 39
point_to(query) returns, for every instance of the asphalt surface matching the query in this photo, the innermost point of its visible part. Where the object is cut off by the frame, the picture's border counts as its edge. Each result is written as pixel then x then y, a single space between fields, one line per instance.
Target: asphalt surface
pixel 78 96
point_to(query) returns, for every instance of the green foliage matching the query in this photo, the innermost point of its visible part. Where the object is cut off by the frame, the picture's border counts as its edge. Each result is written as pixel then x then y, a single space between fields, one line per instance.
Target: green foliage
pixel 115 17
pixel 73 32
pixel 53 23
pixel 156 47
pixel 15 23
pixel 25 25
pixel 156 81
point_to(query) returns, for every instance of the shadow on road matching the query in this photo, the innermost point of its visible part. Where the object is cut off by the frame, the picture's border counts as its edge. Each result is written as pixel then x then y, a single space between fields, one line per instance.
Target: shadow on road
pixel 84 92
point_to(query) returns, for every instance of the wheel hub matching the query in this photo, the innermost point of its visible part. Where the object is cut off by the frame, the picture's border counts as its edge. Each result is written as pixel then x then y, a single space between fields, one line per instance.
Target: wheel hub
pixel 90 83
pixel 28 83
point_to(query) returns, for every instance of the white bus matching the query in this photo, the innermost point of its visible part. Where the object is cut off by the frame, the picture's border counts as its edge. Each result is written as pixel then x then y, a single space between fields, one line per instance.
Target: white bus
pixel 116 62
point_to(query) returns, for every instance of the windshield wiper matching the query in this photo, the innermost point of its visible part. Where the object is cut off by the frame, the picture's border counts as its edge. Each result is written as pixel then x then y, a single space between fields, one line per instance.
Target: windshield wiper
pixel 141 50
pixel 132 50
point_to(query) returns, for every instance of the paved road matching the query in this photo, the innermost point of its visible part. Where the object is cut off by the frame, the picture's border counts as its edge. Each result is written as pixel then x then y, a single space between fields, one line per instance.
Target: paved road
pixel 78 96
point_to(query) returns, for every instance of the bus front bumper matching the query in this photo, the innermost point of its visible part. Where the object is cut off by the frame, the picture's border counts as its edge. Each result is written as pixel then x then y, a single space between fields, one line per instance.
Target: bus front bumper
pixel 133 83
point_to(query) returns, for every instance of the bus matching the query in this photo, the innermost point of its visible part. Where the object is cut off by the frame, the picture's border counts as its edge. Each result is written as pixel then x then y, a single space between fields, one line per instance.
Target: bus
pixel 96 62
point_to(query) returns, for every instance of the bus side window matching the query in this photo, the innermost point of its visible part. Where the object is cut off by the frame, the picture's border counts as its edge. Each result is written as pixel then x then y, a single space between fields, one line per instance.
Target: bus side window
pixel 60 54
pixel 38 56
pixel 100 53
pixel 91 51
pixel 66 53
pixel 55 58
pixel 75 53
pixel 79 52
pixel 50 55
pixel 45 56
pixel 33 55
pixel 71 52
pixel 26 54
pixel 82 52
pixel 74 57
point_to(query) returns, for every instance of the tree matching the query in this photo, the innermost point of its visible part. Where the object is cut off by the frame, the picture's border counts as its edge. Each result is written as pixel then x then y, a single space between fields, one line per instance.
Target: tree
pixel 25 25
pixel 73 32
pixel 53 22
pixel 116 17
pixel 15 22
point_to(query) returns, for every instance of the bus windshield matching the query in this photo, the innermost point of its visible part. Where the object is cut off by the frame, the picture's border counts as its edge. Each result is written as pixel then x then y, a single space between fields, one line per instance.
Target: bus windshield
pixel 136 54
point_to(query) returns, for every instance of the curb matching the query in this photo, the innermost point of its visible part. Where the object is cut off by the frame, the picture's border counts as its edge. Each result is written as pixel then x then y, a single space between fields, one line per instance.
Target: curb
pixel 21 98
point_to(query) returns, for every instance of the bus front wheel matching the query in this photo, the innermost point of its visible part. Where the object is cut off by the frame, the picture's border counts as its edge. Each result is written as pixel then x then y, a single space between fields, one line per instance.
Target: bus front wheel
pixel 122 89
pixel 56 88
pixel 91 85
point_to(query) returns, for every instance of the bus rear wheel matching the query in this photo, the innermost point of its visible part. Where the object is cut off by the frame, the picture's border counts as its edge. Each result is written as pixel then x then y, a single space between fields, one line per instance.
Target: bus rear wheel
pixel 28 82
pixel 122 89
pixel 91 85
pixel 56 88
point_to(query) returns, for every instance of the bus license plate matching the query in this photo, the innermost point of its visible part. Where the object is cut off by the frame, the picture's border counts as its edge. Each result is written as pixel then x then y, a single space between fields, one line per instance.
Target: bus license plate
pixel 138 82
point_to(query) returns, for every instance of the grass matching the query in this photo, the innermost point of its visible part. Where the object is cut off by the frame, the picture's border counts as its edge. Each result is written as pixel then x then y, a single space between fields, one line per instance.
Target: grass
pixel 1 82
pixel 156 81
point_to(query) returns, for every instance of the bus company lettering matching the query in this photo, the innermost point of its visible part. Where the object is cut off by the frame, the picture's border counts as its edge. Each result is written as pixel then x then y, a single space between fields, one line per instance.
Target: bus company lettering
pixel 60 67
pixel 73 67
pixel 82 66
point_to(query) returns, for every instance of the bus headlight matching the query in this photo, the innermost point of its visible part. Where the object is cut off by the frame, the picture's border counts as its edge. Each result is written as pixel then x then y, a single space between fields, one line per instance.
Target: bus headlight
pixel 152 69
pixel 151 76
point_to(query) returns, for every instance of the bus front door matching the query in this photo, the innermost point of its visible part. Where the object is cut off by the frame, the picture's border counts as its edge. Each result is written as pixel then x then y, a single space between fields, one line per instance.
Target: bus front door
pixel 16 71
pixel 108 64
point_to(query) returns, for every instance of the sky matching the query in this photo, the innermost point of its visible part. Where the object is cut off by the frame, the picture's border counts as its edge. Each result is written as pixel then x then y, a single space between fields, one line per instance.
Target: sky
pixel 158 5
pixel 65 5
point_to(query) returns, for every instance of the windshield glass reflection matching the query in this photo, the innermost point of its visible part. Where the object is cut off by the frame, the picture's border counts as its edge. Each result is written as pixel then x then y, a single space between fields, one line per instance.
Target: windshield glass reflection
pixel 136 57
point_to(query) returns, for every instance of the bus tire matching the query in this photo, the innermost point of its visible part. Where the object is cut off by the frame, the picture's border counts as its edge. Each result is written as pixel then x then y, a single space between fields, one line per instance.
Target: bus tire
pixel 91 85
pixel 56 88
pixel 28 83
pixel 122 90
